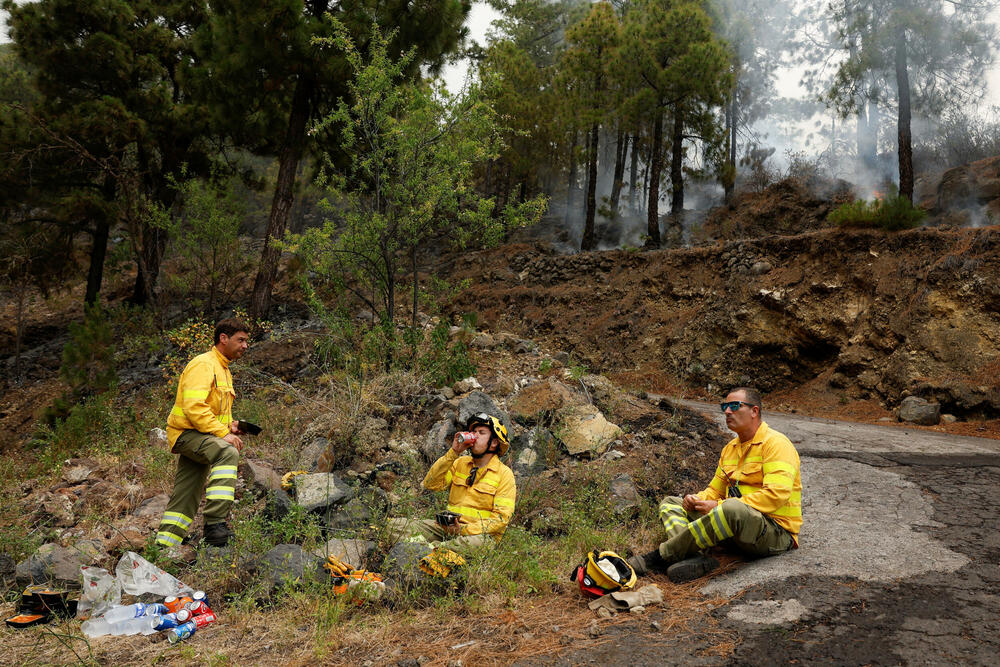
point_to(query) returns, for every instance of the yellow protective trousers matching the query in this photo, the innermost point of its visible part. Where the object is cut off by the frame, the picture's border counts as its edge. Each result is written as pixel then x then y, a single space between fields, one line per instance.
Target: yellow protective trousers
pixel 747 529
pixel 202 457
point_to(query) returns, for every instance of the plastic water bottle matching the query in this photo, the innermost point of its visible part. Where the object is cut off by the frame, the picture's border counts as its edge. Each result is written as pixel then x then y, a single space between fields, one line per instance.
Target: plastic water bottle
pixel 117 614
pixel 96 627
pixel 134 626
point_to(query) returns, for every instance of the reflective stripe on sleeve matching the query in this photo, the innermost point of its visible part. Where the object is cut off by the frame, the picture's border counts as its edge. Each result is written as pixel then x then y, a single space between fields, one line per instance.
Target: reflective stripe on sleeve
pixel 778 479
pixel 177 411
pixel 503 502
pixel 195 393
pixel 776 466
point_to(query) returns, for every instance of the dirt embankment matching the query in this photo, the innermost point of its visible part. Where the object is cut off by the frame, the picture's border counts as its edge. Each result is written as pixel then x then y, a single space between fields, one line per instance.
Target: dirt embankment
pixel 868 315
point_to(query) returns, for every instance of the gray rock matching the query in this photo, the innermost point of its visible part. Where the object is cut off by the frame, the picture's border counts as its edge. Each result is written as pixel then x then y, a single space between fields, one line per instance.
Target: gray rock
pixel 524 346
pixel 437 440
pixel 57 565
pixel 916 410
pixel 760 268
pixel 477 402
pixel 286 563
pixel 534 450
pixel 154 506
pixel 624 495
pixel 402 561
pixel 561 357
pixel 353 552
pixel 278 505
pixel 157 439
pixel 447 392
pixel 483 341
pixel 77 473
pixel 259 476
pixel 359 511
pixel 948 419
pixel 317 492
pixel 311 452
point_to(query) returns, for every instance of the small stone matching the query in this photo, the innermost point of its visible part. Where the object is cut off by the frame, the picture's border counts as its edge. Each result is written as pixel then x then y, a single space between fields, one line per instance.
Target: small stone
pixel 886 419
pixel 422 659
pixel 948 419
pixel 613 455
pixel 604 612
pixel 454 663
pixel 447 392
pixel 527 636
pixel 157 438
pixel 655 626
pixel 555 628
pixel 594 630
pixel 637 610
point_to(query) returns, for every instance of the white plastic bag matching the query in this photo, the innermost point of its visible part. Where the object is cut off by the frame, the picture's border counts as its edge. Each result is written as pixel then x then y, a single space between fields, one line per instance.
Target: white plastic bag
pixel 137 575
pixel 100 592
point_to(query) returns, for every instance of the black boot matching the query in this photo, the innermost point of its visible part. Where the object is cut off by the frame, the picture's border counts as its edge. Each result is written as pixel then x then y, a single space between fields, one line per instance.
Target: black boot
pixel 691 568
pixel 218 534
pixel 647 562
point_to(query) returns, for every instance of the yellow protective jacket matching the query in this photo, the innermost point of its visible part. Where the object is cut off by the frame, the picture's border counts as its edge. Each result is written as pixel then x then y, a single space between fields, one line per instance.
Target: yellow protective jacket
pixel 486 506
pixel 766 471
pixel 205 396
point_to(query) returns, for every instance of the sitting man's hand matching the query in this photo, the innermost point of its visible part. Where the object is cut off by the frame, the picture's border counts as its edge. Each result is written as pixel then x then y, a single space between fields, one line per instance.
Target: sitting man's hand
pixel 235 441
pixel 455 529
pixel 689 502
pixel 705 506
pixel 234 427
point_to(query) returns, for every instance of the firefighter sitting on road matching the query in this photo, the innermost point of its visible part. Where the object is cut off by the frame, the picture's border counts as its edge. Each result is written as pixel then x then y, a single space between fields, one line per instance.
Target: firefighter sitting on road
pixel 201 429
pixel 481 490
pixel 753 503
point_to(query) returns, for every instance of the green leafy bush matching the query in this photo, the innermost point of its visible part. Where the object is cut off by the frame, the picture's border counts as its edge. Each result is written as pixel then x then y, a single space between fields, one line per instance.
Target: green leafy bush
pixel 892 213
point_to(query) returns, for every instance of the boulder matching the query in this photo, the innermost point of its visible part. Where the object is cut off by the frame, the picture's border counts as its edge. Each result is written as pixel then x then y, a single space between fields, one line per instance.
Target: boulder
pixel 586 431
pixel 311 453
pixel 624 495
pixel 353 552
pixel 154 506
pixel 533 451
pixel 58 565
pixel 278 504
pixel 916 410
pixel 477 402
pixel 318 492
pixel 402 561
pixel 76 473
pixel 483 341
pixel 539 400
pixel 359 511
pixel 286 563
pixel 437 440
pixel 57 509
pixel 259 476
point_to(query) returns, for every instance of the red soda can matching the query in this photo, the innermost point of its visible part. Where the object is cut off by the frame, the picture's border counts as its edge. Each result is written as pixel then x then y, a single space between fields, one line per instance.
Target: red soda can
pixel 466 437
pixel 183 615
pixel 201 620
pixel 197 608
pixel 175 604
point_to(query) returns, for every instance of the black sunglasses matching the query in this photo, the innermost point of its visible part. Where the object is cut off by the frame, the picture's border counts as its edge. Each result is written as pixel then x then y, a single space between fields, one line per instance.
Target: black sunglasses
pixel 734 405
pixel 472 476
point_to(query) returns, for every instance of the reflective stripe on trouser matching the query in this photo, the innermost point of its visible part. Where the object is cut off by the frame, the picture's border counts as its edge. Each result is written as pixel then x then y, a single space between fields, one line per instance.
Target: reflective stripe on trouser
pixel 202 457
pixel 690 532
pixel 402 529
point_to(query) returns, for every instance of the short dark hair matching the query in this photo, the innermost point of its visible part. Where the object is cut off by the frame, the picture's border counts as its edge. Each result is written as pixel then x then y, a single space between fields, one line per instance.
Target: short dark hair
pixel 230 326
pixel 752 396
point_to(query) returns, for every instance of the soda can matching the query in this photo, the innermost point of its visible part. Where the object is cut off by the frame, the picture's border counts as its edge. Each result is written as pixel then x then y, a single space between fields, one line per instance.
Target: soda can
pixel 183 615
pixel 165 622
pixel 181 632
pixel 201 620
pixel 156 609
pixel 465 437
pixel 199 596
pixel 197 608
pixel 174 604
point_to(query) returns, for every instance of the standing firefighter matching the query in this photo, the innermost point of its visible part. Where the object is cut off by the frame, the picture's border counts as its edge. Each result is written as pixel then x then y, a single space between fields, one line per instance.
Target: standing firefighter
pixel 201 430
pixel 481 489
pixel 754 501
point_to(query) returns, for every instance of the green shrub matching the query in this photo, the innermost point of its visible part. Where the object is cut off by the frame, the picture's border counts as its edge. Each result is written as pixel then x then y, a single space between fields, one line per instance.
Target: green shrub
pixel 445 363
pixel 892 213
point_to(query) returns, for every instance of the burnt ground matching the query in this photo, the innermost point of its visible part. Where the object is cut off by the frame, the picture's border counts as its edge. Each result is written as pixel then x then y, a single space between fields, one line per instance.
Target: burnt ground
pixel 899 565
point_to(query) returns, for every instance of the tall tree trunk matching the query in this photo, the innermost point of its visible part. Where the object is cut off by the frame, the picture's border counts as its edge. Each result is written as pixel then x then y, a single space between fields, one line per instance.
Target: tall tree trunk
pixel 571 186
pixel 99 249
pixel 152 246
pixel 633 172
pixel 588 227
pixel 905 142
pixel 284 192
pixel 653 210
pixel 729 161
pixel 676 164
pixel 621 148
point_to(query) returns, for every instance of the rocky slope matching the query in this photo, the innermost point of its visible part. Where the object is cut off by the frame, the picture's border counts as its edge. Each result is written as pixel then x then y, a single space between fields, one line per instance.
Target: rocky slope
pixel 871 315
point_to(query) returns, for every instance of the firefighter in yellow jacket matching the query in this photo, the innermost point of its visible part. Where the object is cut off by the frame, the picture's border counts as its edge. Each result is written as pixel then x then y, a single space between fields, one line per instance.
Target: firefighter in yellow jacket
pixel 202 431
pixel 754 500
pixel 481 489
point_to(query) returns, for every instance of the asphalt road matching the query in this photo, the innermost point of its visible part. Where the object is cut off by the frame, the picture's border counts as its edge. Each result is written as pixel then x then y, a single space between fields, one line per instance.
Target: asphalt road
pixel 899 561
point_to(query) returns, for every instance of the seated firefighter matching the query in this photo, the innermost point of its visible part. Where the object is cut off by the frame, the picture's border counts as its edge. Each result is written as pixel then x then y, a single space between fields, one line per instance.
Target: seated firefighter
pixel 754 502
pixel 481 490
